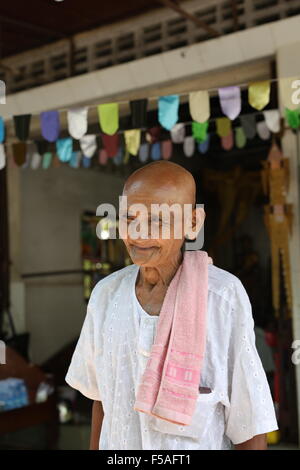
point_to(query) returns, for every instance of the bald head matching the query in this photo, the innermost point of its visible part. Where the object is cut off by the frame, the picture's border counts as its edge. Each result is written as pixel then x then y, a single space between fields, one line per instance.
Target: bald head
pixel 163 176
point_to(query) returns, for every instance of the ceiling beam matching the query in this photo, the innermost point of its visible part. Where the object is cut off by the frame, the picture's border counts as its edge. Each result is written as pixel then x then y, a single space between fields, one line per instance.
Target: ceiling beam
pixel 185 14
pixel 31 27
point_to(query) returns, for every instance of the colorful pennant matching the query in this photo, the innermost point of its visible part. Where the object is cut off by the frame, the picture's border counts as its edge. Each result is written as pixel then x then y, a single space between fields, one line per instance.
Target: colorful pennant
pixel 77 122
pixel 259 94
pixel 199 105
pixel 50 125
pixel 230 101
pixel 168 111
pixel 108 114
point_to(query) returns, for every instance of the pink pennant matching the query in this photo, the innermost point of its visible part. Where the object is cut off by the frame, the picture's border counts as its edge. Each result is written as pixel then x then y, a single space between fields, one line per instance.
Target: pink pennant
pixel 103 157
pixel 227 142
pixel 167 149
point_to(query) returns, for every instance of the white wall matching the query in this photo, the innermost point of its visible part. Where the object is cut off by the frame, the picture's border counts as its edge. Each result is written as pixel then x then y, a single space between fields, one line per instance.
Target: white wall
pixel 52 202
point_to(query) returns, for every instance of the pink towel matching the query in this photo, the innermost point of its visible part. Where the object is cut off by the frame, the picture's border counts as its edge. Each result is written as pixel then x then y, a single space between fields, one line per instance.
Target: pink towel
pixel 169 386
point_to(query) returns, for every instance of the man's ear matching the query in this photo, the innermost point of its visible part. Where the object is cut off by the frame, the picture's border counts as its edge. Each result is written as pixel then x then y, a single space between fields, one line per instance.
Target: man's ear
pixel 198 217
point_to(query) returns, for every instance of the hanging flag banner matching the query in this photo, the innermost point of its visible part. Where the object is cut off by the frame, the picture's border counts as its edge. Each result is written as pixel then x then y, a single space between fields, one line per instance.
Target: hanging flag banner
pixel 75 159
pixel 155 151
pixel 199 131
pixel 153 134
pixel 47 159
pixel 227 141
pixel 42 146
pixel 64 149
pixel 133 140
pixel 138 110
pixel 248 122
pixel 117 159
pixel 168 111
pixel 86 161
pixel 77 119
pixel 109 117
pixel 259 94
pixel 88 145
pixel 262 130
pixel 36 158
pixel 223 126
pixel 178 133
pixel 272 118
pixel 204 146
pixel 19 152
pixel 2 157
pixel 166 149
pixel 144 152
pixel 50 125
pixel 22 124
pixel 56 163
pixel 31 148
pixel 2 130
pixel 289 92
pixel 199 105
pixel 103 157
pixel 240 137
pixel 292 117
pixel 230 101
pixel 126 156
pixel 189 146
pixel 28 155
pixel 111 143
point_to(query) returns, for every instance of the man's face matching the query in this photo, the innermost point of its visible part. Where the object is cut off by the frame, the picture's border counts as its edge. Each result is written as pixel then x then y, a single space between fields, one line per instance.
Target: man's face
pixel 164 248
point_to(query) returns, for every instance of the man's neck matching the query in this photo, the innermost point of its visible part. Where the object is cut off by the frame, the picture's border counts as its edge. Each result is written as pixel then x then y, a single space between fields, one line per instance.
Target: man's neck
pixel 150 276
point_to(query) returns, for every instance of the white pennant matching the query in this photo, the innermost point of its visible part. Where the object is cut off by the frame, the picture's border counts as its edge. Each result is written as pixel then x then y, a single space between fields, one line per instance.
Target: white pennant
pixel 178 133
pixel 189 146
pixel 272 118
pixel 263 130
pixel 2 157
pixel 88 145
pixel 77 122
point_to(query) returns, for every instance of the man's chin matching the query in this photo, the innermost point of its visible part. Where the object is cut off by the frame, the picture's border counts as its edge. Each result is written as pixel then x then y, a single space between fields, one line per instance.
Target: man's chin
pixel 144 258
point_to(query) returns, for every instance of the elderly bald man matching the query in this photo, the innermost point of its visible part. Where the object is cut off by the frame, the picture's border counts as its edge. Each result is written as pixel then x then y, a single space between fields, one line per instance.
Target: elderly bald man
pixel 235 409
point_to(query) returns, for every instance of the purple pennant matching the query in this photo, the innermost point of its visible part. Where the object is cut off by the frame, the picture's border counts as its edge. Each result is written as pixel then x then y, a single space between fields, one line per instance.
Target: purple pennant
pixel 230 101
pixel 50 125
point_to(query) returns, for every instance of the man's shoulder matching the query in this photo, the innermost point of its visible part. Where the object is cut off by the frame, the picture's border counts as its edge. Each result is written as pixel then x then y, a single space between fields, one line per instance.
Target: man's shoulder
pixel 223 283
pixel 112 281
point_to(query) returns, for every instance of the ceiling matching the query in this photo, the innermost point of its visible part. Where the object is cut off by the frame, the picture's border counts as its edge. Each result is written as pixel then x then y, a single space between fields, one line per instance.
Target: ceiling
pixel 34 23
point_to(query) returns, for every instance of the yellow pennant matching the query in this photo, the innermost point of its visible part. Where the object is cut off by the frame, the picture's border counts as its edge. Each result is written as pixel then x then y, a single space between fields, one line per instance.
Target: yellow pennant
pixel 259 94
pixel 223 125
pixel 133 140
pixel 199 105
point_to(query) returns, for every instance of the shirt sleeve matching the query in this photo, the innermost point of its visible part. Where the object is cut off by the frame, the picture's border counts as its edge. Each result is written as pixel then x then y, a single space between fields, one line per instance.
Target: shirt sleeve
pixel 81 373
pixel 251 410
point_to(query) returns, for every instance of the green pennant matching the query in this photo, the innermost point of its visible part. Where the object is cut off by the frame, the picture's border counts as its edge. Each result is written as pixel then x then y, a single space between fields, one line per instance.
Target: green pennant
pixel 199 130
pixel 293 117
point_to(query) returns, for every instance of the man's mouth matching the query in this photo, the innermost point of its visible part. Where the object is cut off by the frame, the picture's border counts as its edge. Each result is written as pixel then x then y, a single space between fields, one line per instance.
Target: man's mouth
pixel 143 248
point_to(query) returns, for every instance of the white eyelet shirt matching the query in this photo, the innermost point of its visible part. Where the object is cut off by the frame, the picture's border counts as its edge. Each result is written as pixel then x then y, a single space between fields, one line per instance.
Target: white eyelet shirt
pixel 113 349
